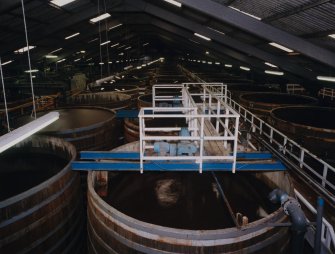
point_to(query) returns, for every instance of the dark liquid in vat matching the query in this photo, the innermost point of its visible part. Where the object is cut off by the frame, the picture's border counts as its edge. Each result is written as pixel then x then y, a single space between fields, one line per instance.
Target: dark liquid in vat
pixel 188 200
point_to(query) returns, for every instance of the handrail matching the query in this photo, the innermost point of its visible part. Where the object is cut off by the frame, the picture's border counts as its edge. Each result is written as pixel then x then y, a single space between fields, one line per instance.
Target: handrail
pixel 327 92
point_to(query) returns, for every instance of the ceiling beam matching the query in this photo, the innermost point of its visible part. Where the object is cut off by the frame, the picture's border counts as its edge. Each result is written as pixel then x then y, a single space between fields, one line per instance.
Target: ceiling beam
pixel 232 43
pixel 258 28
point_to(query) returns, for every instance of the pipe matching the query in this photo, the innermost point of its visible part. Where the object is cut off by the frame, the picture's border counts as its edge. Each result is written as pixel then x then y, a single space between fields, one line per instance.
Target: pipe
pixel 319 215
pixel 299 222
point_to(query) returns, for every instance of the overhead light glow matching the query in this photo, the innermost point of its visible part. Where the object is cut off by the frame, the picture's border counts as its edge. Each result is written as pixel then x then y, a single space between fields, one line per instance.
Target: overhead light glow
pixel 217 63
pixel 278 73
pixel 100 17
pixel 139 67
pixel 76 60
pixel 12 138
pixel 127 48
pixel 113 27
pixel 216 30
pixel 128 67
pixel 8 62
pixel 228 65
pixel 173 2
pixel 55 51
pixel 202 37
pixel 332 36
pixel 62 60
pixel 209 62
pixel 71 36
pixel 24 49
pixel 122 46
pixel 250 15
pixel 244 68
pixel 104 43
pixel 121 54
pixel 326 78
pixel 145 44
pixel 95 39
pixel 271 65
pixel 101 63
pixel 276 45
pixel 51 56
pixel 31 71
pixel 114 45
pixel 207 53
pixel 83 51
pixel 61 3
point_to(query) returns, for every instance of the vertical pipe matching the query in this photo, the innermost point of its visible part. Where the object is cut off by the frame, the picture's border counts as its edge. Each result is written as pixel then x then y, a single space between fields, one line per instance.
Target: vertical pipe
pixel 319 216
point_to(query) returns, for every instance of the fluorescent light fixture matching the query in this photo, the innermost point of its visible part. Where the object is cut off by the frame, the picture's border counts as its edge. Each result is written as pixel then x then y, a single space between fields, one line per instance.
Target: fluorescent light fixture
pixel 332 36
pixel 121 54
pixel 197 61
pixel 207 52
pixel 276 45
pixel 8 62
pixel 114 45
pixel 173 2
pixel 209 62
pixel 271 65
pixel 24 49
pixel 31 71
pixel 51 56
pixel 100 17
pixel 326 78
pixel 204 62
pixel 76 60
pixel 216 30
pixel 55 51
pixel 95 39
pixel 128 67
pixel 110 62
pixel 145 44
pixel 139 67
pixel 217 63
pixel 250 15
pixel 202 37
pixel 113 27
pixel 228 65
pixel 244 68
pixel 62 60
pixel 12 138
pixel 83 51
pixel 104 43
pixel 278 73
pixel 117 61
pixel 122 46
pixel 61 3
pixel 71 36
pixel 127 48
pixel 101 63
pixel 89 59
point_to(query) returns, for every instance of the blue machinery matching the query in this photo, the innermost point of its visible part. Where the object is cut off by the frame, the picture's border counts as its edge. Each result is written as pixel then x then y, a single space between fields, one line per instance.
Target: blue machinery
pixel 208 142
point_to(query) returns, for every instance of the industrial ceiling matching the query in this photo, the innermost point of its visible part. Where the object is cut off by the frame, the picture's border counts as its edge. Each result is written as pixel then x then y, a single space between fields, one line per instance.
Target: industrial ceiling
pixel 230 31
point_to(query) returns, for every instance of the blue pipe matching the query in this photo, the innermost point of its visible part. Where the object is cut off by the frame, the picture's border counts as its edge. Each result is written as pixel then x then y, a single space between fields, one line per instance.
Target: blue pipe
pixel 298 219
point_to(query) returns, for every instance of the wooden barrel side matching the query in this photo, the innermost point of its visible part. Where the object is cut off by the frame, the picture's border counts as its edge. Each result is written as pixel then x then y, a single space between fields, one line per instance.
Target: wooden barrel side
pixel 47 217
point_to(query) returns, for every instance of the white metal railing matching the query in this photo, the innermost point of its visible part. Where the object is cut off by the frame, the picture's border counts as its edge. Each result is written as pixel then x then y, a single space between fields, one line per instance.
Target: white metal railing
pixel 210 122
pixel 327 92
pixel 328 234
pixel 298 155
pixel 294 88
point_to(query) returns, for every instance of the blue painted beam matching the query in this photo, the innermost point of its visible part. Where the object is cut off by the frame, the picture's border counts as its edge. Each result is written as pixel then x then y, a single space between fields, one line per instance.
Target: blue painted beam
pixel 102 155
pixel 123 113
pixel 166 166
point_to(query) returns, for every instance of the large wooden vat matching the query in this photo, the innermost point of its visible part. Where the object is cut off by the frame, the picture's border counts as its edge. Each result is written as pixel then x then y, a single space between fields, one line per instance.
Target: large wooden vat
pixel 111 230
pixel 41 208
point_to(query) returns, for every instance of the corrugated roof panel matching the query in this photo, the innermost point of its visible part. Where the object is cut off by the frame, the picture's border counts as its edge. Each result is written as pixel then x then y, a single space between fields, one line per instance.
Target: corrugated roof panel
pixel 264 8
pixel 314 20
